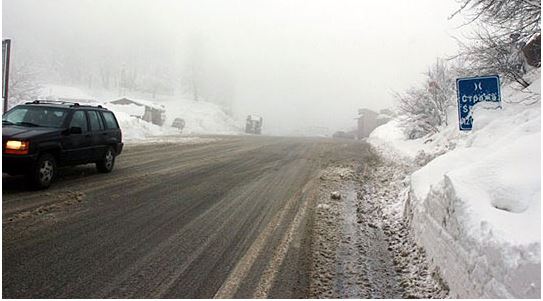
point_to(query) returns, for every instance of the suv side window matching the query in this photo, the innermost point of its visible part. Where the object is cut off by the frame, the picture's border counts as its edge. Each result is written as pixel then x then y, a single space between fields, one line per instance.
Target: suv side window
pixel 95 121
pixel 79 119
pixel 111 122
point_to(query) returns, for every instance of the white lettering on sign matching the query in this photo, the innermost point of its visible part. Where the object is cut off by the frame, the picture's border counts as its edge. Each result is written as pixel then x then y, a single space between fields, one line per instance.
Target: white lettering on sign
pixel 479 97
pixel 466 108
pixel 466 119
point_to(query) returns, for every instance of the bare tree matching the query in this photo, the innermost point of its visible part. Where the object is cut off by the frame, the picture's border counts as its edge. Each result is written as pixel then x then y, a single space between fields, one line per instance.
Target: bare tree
pixel 505 26
pixel 194 70
pixel 23 84
pixel 192 81
pixel 417 118
pixel 494 54
pixel 508 17
pixel 158 81
pixel 441 87
pixel 423 110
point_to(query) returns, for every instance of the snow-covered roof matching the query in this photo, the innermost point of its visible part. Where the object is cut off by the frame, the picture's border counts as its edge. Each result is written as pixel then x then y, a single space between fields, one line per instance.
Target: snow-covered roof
pixel 142 102
pixel 366 111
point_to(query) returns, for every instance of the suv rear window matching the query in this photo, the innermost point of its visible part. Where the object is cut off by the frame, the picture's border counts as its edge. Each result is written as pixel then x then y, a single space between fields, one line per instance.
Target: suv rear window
pixel 111 122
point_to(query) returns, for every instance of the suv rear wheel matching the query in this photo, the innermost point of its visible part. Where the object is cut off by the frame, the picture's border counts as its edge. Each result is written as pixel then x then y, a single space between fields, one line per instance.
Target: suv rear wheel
pixel 44 172
pixel 108 161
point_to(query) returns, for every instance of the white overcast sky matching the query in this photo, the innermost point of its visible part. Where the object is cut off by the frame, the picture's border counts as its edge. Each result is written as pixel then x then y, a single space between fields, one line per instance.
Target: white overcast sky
pixel 296 63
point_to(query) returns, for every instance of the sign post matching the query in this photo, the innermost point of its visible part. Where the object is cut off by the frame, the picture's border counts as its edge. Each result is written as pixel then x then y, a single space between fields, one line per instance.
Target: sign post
pixel 473 90
pixel 6 47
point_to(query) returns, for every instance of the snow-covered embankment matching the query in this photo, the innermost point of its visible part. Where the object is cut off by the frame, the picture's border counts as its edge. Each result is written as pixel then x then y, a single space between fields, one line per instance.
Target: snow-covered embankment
pixel 475 204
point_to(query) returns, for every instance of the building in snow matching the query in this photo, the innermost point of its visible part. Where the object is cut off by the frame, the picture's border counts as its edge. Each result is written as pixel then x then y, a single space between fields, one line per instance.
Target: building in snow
pixel 143 109
pixel 368 120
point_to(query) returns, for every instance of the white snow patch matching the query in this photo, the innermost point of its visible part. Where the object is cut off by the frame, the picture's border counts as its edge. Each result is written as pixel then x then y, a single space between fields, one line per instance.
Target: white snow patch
pixel 202 117
pixel 323 206
pixel 390 139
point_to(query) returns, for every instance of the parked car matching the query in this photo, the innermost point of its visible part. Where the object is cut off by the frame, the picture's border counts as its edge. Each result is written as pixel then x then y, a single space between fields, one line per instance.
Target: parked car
pixel 343 135
pixel 178 123
pixel 40 136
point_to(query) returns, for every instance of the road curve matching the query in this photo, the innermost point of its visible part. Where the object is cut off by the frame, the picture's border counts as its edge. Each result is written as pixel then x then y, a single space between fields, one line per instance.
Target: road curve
pixel 226 219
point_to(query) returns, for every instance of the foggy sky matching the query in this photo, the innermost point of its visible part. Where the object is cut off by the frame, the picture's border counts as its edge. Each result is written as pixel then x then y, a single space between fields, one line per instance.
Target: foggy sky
pixel 296 63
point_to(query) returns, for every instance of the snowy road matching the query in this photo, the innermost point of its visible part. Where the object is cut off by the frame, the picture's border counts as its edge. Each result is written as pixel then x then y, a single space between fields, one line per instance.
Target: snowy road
pixel 229 218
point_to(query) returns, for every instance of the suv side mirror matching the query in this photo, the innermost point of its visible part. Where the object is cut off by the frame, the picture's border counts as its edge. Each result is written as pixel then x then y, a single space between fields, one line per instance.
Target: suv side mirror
pixel 75 130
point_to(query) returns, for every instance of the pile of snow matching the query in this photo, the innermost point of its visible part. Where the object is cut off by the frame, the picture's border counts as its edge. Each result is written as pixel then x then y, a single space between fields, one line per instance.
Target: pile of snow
pixel 201 117
pixel 390 138
pixel 134 129
pixel 476 205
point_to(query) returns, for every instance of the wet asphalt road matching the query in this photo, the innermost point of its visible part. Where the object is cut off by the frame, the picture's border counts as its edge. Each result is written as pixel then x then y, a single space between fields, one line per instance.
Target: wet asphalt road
pixel 231 218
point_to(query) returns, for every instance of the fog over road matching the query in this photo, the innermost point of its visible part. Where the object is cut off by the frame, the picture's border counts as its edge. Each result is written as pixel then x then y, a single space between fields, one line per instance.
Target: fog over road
pixel 231 218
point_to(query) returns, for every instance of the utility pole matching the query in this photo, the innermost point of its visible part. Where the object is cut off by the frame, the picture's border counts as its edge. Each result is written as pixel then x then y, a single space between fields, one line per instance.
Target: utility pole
pixel 6 47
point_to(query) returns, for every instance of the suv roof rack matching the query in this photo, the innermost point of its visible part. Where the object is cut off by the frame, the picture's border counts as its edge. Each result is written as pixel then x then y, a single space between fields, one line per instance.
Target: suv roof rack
pixel 61 102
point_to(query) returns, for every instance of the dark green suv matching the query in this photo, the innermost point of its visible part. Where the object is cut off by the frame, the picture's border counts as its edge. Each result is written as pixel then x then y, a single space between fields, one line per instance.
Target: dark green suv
pixel 40 136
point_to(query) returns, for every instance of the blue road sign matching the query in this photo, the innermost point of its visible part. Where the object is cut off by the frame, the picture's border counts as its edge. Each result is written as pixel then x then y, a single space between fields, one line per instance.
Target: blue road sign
pixel 473 90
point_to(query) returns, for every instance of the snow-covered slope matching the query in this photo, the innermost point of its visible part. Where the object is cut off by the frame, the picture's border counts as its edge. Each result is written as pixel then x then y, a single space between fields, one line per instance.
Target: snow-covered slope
pixel 200 117
pixel 476 205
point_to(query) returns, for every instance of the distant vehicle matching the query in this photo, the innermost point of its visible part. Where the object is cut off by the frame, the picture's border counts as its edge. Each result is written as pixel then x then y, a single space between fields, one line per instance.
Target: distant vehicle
pixel 253 126
pixel 343 135
pixel 179 123
pixel 40 136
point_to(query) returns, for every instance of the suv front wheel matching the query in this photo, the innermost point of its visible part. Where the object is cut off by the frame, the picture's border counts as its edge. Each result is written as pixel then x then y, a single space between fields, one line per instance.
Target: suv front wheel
pixel 44 172
pixel 108 161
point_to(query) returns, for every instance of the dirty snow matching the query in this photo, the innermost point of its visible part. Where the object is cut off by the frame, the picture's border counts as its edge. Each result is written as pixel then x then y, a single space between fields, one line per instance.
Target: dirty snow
pixel 475 202
pixel 361 247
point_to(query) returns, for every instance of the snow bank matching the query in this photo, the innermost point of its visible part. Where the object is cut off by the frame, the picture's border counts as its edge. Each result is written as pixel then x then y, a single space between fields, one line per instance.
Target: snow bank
pixel 476 207
pixel 134 129
pixel 390 139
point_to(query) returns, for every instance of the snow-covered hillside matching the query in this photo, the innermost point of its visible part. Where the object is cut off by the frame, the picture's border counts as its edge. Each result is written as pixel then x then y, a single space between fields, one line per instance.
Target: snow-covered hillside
pixel 475 201
pixel 200 117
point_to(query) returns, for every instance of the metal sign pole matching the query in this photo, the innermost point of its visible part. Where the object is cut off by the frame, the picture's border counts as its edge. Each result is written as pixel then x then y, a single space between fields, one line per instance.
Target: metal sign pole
pixel 6 46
